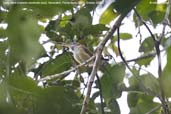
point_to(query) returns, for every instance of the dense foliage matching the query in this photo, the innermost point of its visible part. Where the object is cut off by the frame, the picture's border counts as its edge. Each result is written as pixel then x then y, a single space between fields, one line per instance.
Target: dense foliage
pixel 24 58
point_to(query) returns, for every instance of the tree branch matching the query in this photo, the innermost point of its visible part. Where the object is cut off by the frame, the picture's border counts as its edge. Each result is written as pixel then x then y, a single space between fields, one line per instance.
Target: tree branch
pixel 145 56
pixel 98 57
pixel 62 75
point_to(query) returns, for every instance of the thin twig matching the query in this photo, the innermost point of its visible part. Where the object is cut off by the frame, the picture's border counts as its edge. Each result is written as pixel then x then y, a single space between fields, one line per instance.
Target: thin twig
pixel 139 31
pixel 153 109
pixel 98 57
pixel 120 52
pixel 157 47
pixel 125 62
pixel 62 75
pixel 145 56
pixel 144 23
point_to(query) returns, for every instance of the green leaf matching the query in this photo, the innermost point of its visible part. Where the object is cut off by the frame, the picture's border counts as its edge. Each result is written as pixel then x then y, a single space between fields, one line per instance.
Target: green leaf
pixel 61 63
pixel 7 105
pixel 166 75
pixel 134 85
pixel 150 10
pixel 147 45
pixel 65 20
pixel 156 17
pixel 3 15
pixel 1 2
pixel 166 42
pixel 23 91
pixel 121 6
pixel 20 82
pixel 95 95
pixel 145 7
pixel 158 14
pixel 114 106
pixel 3 58
pixel 108 15
pixel 57 100
pixel 29 98
pixel 5 94
pixel 111 83
pixel 111 80
pixel 95 30
pixel 2 33
pixel 79 25
pixel 24 38
pixel 124 36
pixel 146 83
pixel 52 28
pixel 132 99
pixel 51 100
pixel 141 103
pixel 92 107
pixel 145 61
pixel 124 6
pixel 114 48
pixel 82 17
pixel 151 83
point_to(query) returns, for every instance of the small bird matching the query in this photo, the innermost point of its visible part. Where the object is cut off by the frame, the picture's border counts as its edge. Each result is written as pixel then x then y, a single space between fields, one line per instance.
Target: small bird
pixel 80 52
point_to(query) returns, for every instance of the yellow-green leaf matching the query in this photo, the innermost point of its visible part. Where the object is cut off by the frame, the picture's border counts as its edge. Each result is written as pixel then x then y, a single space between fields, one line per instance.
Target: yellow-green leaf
pixel 108 15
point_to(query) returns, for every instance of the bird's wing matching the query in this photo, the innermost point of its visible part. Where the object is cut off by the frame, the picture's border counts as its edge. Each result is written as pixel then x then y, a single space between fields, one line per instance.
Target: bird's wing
pixel 87 50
